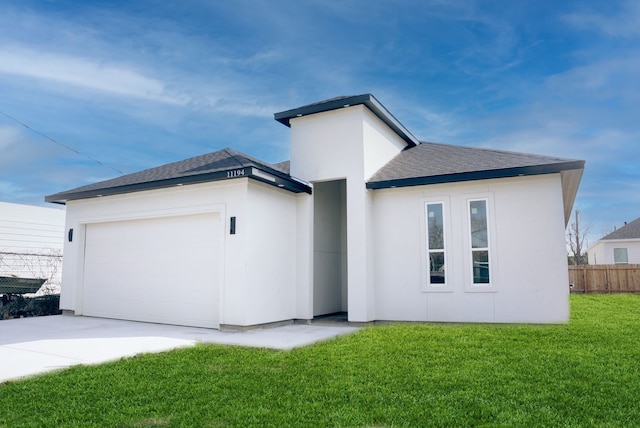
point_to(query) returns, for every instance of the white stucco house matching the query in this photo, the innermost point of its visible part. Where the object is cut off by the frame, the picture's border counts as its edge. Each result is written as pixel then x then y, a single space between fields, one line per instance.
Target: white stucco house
pixel 621 246
pixel 363 219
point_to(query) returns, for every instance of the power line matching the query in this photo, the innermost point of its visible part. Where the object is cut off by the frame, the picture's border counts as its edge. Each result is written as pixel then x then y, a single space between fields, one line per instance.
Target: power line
pixel 53 140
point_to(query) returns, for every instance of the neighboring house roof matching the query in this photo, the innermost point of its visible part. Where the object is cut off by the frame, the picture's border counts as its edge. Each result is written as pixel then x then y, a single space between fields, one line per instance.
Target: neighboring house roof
pixel 336 103
pixel 628 231
pixel 431 163
pixel 220 165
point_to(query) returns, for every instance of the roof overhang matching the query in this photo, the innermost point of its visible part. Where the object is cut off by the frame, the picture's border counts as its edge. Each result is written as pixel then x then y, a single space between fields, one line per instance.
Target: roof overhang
pixel 571 173
pixel 478 175
pixel 570 182
pixel 284 182
pixel 367 100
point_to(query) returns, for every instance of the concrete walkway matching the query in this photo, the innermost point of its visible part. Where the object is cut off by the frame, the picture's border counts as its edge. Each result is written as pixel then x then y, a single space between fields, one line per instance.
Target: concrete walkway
pixel 30 346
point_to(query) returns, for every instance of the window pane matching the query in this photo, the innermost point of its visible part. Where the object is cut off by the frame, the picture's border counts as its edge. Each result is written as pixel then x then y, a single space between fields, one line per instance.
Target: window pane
pixel 620 255
pixel 480 267
pixel 436 267
pixel 478 216
pixel 435 226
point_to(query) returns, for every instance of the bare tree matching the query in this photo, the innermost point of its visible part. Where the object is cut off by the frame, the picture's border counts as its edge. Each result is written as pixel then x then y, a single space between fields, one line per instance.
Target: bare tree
pixel 576 240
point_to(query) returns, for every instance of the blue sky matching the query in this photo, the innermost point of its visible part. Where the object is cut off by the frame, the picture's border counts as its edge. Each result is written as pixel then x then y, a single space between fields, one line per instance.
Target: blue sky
pixel 135 84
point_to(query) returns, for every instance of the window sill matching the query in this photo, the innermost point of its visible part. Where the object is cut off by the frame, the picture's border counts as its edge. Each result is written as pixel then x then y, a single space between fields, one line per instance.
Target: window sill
pixel 480 289
pixel 437 289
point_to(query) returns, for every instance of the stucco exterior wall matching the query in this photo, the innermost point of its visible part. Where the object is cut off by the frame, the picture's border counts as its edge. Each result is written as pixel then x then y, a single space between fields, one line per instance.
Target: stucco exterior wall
pixel 528 255
pixel 304 257
pixel 602 252
pixel 270 255
pixel 380 145
pixel 350 143
pixel 257 272
pixel 183 200
pixel 330 248
pixel 366 248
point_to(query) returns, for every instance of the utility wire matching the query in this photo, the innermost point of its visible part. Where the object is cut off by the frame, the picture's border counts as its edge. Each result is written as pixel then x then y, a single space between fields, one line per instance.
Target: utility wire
pixel 53 140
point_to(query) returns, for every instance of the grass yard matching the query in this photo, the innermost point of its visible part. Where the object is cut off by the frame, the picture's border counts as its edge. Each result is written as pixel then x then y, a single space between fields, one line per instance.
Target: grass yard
pixel 586 373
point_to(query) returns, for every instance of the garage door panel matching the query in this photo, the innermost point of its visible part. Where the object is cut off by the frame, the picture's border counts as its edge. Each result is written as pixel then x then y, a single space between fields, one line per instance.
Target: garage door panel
pixel 160 270
pixel 189 314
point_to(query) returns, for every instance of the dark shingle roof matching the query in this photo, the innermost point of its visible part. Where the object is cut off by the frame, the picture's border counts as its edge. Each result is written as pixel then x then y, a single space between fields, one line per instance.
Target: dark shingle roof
pixel 430 163
pixel 628 231
pixel 283 166
pixel 209 167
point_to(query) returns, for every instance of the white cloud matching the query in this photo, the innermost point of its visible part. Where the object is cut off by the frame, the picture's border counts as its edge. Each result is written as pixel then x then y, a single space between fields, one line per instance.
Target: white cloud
pixel 602 75
pixel 10 190
pixel 225 92
pixel 8 136
pixel 430 125
pixel 84 73
pixel 625 23
pixel 17 149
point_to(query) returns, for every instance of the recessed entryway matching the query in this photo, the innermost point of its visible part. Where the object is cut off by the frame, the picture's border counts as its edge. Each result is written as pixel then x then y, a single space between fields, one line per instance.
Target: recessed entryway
pixel 329 247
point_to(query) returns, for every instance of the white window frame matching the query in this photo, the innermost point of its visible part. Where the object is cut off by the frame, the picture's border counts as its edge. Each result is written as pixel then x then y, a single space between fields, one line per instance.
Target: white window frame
pixel 427 286
pixel 626 253
pixel 470 286
pixel 436 250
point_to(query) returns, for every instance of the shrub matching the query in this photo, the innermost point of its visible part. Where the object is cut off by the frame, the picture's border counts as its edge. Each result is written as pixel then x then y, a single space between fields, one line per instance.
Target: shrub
pixel 19 306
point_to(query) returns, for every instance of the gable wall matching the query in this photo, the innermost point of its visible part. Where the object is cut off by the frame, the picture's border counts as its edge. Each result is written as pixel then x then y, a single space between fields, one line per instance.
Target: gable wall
pixel 381 144
pixel 528 254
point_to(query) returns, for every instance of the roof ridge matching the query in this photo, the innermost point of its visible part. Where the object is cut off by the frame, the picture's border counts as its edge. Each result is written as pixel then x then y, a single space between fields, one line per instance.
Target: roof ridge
pixel 233 154
pixel 207 167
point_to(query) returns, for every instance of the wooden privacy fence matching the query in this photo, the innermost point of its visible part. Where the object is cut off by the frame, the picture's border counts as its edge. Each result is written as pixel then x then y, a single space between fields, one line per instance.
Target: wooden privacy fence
pixel 605 278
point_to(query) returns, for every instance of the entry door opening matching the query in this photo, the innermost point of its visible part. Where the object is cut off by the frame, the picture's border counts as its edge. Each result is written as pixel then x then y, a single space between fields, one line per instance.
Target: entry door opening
pixel 329 247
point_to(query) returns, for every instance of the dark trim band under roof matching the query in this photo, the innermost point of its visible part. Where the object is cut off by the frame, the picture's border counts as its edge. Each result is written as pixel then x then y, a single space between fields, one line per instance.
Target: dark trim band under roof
pixel 477 175
pixel 434 163
pixel 367 100
pixel 225 164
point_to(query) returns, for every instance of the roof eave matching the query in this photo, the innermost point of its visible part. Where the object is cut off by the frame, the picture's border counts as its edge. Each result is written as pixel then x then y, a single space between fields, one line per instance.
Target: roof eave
pixel 478 175
pixel 367 100
pixel 266 176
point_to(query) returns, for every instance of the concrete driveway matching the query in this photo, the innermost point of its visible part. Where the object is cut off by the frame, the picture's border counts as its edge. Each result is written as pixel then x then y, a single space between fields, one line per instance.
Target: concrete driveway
pixel 30 346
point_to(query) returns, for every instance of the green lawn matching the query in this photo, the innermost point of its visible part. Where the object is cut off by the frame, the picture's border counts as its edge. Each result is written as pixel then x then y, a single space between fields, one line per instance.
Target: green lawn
pixel 586 373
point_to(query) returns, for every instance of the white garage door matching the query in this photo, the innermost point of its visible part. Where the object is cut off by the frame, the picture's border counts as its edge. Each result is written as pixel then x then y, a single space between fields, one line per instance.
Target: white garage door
pixel 163 270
